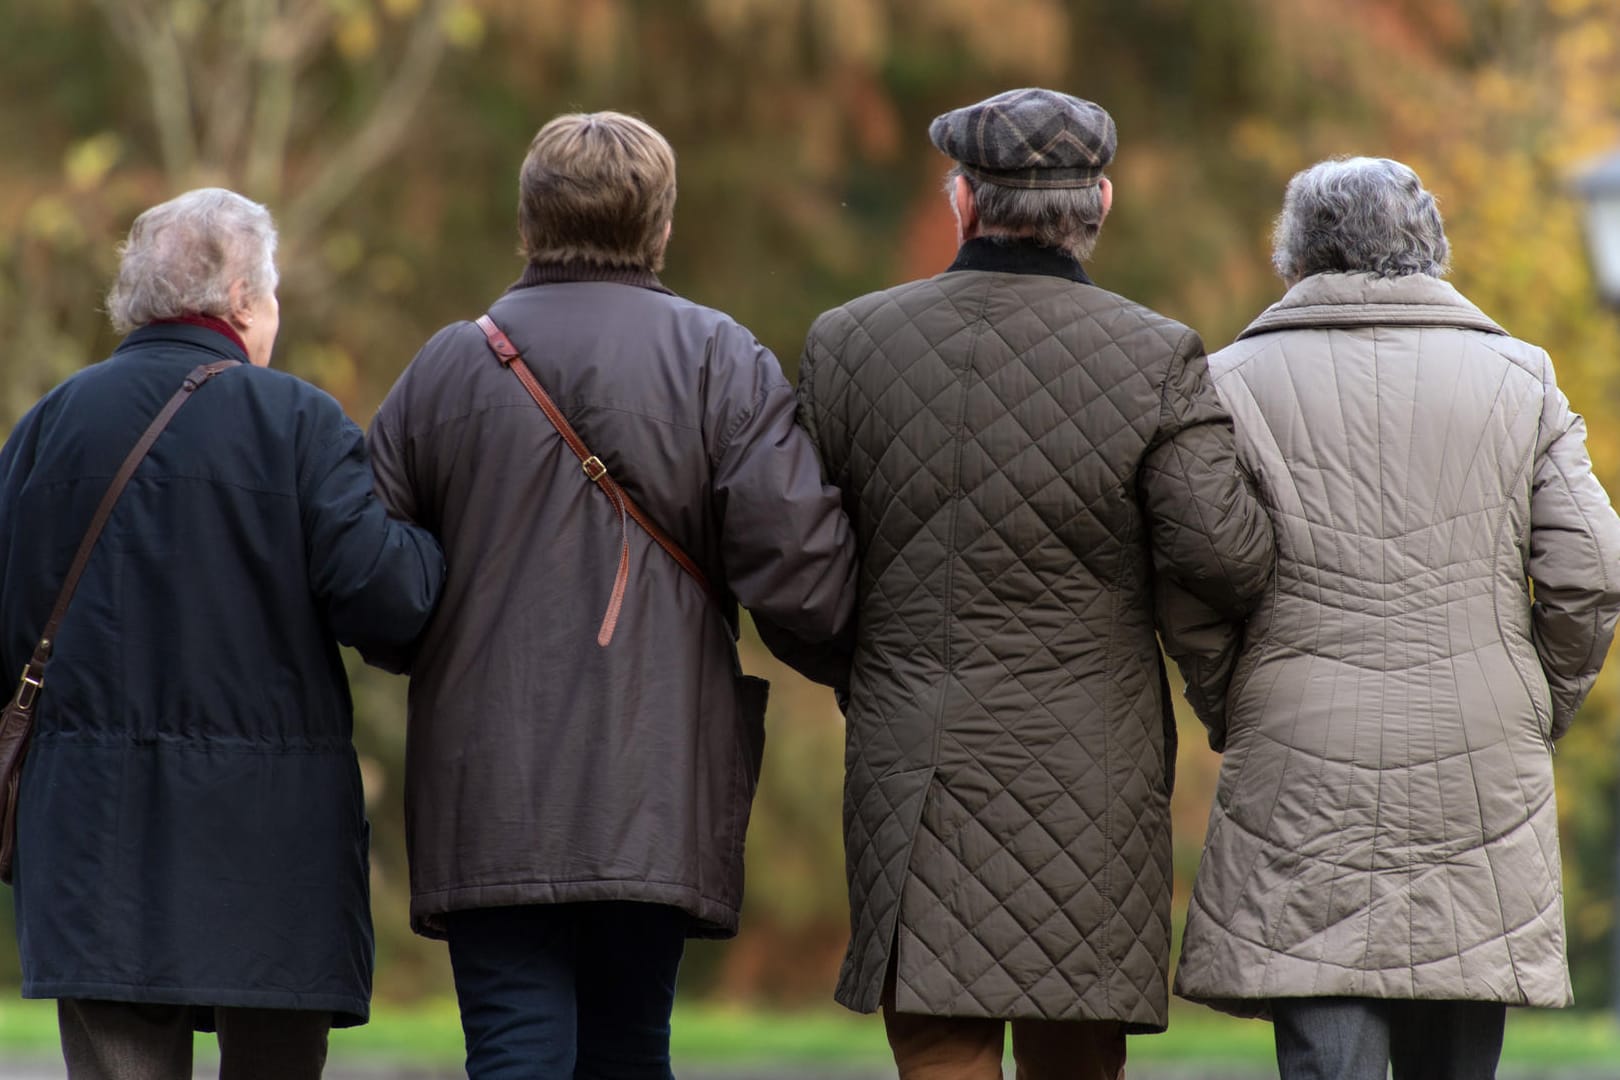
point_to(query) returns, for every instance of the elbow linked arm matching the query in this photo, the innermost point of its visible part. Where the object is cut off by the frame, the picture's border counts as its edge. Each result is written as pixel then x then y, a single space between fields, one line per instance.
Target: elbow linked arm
pixel 378 578
pixel 828 660
pixel 1209 531
pixel 788 546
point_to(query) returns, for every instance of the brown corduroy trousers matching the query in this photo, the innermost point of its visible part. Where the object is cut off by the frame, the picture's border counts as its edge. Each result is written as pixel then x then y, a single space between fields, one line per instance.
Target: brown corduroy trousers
pixel 970 1048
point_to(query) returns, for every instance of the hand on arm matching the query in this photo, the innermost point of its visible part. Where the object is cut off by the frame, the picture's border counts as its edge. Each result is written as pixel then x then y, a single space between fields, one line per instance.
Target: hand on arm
pixel 1205 646
pixel 1208 531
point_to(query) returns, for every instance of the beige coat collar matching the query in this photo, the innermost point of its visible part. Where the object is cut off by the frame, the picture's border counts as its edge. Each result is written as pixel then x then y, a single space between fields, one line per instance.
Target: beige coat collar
pixel 1341 300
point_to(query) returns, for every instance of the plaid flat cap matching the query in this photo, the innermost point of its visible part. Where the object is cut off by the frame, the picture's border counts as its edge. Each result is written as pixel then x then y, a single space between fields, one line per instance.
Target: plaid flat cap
pixel 1029 138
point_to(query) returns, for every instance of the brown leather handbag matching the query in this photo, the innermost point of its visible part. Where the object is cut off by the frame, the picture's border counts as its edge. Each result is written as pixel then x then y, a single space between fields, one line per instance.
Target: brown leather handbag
pixel 17 719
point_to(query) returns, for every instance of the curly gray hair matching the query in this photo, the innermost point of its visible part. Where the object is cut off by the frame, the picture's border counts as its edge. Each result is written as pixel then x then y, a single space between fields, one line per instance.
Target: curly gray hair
pixel 1359 215
pixel 183 255
pixel 1069 219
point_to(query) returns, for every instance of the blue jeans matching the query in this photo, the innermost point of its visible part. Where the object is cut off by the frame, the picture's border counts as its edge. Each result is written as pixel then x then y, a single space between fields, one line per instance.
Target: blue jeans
pixel 1360 1038
pixel 567 991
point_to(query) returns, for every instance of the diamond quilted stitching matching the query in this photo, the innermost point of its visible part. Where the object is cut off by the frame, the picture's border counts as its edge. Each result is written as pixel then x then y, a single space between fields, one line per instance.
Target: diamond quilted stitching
pixel 996 470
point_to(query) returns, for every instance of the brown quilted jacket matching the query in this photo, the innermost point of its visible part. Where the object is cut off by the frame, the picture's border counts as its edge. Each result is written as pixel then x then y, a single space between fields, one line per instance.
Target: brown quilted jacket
pixel 1021 453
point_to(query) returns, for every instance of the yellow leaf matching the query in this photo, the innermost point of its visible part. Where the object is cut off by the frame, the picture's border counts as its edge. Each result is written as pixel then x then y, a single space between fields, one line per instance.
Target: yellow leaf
pixel 89 160
pixel 343 250
pixel 463 26
pixel 52 220
pixel 186 18
pixel 357 36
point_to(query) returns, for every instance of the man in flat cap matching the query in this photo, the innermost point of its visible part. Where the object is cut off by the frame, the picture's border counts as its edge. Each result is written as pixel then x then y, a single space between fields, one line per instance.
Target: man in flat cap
pixel 1022 455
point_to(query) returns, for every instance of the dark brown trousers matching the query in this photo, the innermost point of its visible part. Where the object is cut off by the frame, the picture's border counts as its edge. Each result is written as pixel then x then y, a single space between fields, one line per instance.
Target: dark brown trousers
pixel 120 1040
pixel 970 1048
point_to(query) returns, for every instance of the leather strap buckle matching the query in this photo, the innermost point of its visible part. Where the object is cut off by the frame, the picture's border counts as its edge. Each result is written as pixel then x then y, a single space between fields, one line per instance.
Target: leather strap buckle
pixel 28 690
pixel 597 473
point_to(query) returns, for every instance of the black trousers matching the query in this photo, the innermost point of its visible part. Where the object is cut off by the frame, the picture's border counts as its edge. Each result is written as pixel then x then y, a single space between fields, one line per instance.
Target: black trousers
pixel 123 1040
pixel 579 991
pixel 1361 1038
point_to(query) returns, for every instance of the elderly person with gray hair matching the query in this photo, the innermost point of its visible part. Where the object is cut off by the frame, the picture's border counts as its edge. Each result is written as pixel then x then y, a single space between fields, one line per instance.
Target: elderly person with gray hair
pixel 1381 871
pixel 1024 454
pixel 192 842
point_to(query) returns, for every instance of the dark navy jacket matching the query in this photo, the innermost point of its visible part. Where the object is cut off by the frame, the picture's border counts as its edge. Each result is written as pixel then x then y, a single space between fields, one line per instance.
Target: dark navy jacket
pixel 191 823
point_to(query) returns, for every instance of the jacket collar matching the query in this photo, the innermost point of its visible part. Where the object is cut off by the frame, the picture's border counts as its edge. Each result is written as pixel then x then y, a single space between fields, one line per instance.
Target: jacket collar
pixel 559 272
pixel 175 332
pixel 1344 300
pixel 1017 255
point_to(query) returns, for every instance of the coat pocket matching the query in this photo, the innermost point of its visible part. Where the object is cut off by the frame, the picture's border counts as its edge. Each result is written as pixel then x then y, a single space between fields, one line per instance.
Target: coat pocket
pixel 748 752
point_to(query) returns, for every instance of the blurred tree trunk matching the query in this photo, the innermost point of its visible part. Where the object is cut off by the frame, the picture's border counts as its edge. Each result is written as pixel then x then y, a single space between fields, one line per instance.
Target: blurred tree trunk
pixel 223 82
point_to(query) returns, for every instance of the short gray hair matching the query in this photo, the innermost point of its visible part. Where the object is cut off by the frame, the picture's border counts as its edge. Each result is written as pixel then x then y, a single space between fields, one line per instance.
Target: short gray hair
pixel 1359 215
pixel 182 256
pixel 1069 219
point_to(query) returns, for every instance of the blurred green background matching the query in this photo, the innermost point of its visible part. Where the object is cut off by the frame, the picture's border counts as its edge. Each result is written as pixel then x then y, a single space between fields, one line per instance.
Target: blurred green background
pixel 386 136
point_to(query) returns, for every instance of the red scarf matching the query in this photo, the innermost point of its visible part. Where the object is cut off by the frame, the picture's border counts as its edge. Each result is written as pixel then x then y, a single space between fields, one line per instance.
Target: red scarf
pixel 208 322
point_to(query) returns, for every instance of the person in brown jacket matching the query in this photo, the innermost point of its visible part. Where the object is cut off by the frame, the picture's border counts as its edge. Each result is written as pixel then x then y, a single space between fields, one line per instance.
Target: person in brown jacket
pixel 1381 872
pixel 1024 455
pixel 582 748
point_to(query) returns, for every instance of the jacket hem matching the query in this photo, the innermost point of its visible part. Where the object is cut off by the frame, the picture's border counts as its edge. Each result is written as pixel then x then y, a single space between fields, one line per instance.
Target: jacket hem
pixel 346 1011
pixel 709 918
pixel 1259 1008
pixel 1134 1025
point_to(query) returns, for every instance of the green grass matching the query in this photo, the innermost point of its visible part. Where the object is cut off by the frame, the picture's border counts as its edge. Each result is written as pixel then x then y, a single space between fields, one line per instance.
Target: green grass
pixel 27 1025
pixel 1561 1038
pixel 430 1033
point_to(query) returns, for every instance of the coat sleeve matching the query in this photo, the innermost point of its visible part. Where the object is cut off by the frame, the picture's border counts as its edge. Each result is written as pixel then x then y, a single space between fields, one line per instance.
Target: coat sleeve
pixel 377 577
pixel 1207 529
pixel 826 661
pixel 1574 563
pixel 16 462
pixel 391 470
pixel 788 551
pixel 1204 645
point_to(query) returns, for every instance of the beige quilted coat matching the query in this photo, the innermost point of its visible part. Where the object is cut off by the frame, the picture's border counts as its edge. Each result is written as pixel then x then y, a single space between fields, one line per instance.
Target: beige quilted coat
pixel 1384 824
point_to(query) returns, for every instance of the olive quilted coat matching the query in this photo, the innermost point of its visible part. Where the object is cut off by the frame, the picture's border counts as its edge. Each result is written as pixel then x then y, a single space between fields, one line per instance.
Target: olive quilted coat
pixel 1021 452
pixel 1384 824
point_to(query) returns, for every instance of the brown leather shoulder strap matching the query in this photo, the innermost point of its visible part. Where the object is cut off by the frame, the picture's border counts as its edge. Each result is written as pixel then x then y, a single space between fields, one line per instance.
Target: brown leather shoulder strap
pixel 34 675
pixel 597 473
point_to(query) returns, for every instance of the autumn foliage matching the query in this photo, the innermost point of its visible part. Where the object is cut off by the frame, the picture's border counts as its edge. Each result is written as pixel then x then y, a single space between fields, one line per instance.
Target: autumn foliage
pixel 386 134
